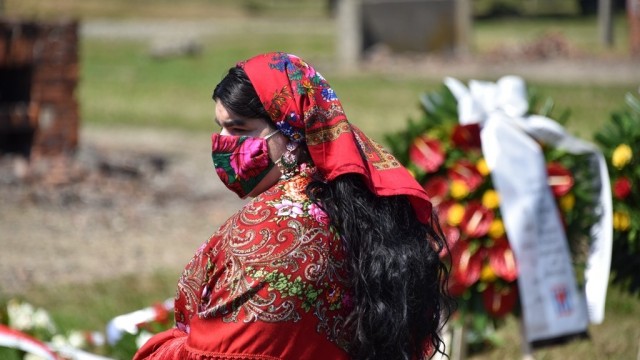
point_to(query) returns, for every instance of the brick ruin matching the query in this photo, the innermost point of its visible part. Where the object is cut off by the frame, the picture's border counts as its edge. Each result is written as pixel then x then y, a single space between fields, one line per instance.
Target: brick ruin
pixel 39 71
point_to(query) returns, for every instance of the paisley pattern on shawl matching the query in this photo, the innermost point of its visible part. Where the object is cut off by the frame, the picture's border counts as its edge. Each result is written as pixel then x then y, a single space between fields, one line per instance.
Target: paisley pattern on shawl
pixel 276 260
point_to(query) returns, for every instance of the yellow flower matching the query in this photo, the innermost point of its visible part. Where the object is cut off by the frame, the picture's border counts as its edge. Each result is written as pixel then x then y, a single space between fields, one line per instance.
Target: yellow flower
pixel 482 167
pixel 621 221
pixel 487 274
pixel 567 202
pixel 307 86
pixel 490 199
pixel 496 229
pixel 621 156
pixel 455 214
pixel 459 189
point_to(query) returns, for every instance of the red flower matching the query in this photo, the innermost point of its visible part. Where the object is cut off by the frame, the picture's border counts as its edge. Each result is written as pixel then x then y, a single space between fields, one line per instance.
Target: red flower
pixel 223 175
pixel 455 288
pixel 622 188
pixel 499 300
pixel 426 153
pixel 466 136
pixel 234 186
pixel 502 261
pixel 442 211
pixel 466 172
pixel 222 143
pixel 476 220
pixel 560 179
pixel 162 314
pixel 452 236
pixel 437 188
pixel 466 266
pixel 250 158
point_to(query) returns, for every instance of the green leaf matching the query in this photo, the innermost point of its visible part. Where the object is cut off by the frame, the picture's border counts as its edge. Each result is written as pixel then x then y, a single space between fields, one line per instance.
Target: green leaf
pixel 547 107
pixel 633 103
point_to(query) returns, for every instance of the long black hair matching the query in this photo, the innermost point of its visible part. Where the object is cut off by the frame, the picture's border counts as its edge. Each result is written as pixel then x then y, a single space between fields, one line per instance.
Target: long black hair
pixel 396 275
pixel 238 96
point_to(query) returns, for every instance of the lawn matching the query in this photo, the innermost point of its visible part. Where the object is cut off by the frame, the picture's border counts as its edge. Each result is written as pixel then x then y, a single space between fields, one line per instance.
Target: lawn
pixel 121 85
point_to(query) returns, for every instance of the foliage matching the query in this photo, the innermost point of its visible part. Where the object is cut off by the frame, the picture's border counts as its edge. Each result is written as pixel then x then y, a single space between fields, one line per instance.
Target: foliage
pixel 37 323
pixel 446 158
pixel 28 319
pixel 620 143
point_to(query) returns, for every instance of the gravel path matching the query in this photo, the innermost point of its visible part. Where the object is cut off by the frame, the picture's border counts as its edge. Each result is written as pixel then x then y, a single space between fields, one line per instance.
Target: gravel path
pixel 170 29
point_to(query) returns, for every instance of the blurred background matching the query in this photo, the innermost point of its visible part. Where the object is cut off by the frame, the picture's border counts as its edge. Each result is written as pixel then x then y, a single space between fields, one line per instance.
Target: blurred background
pixel 99 218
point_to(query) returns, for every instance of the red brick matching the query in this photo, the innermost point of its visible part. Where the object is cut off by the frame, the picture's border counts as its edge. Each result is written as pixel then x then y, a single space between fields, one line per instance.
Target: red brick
pixel 51 50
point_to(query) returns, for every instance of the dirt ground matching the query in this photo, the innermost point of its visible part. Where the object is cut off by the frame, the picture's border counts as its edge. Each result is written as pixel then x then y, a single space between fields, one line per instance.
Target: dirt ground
pixel 134 200
pixel 141 200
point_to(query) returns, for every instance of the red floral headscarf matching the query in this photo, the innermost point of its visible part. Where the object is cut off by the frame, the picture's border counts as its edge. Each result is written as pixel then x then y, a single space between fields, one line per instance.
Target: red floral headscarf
pixel 304 108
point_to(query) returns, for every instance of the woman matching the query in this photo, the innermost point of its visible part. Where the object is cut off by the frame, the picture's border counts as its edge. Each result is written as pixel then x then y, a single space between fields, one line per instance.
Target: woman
pixel 336 257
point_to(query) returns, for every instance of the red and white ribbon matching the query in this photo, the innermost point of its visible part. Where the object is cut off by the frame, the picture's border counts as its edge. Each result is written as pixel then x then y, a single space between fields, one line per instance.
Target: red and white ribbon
pixel 18 340
pixel 131 322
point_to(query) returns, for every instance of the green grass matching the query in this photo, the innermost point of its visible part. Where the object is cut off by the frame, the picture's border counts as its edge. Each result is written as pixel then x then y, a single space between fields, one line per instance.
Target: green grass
pixel 618 337
pixel 589 105
pixel 581 33
pixel 122 85
pixel 91 306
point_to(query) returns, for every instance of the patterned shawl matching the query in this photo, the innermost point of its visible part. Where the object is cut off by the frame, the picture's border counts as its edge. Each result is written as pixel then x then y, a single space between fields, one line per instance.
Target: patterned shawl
pixel 305 108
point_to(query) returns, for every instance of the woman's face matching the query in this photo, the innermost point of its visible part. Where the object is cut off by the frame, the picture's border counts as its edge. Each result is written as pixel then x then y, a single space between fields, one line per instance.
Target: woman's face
pixel 231 124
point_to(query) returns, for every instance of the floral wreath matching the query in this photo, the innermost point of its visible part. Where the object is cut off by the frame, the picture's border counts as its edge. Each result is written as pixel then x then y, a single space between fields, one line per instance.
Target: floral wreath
pixel 619 139
pixel 446 158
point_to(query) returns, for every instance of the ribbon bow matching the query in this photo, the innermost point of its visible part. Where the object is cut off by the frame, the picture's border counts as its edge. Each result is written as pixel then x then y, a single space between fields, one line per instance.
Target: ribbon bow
pixel 483 99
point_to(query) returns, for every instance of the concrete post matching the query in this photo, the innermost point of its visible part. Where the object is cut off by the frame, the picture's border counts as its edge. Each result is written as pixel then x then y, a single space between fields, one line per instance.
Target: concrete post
pixel 464 24
pixel 605 22
pixel 349 34
pixel 633 14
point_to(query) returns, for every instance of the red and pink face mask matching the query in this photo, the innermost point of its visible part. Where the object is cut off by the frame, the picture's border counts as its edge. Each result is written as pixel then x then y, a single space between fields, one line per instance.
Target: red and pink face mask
pixel 241 162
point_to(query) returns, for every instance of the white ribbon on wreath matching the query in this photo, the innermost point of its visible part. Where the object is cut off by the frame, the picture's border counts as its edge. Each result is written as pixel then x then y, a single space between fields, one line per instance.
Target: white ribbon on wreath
pixel 552 305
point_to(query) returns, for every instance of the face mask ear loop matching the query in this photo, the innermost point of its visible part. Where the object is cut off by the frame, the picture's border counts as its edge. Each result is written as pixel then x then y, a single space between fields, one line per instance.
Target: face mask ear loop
pixel 269 135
